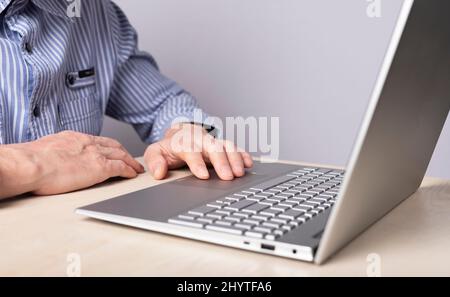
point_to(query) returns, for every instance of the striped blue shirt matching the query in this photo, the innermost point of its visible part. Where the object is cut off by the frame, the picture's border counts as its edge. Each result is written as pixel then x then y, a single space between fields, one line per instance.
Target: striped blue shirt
pixel 61 73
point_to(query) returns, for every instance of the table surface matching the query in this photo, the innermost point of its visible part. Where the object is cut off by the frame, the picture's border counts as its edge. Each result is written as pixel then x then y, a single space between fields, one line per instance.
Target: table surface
pixel 42 236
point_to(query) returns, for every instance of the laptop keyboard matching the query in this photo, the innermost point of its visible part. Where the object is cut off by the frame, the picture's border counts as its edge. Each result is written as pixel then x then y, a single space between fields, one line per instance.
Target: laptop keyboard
pixel 271 209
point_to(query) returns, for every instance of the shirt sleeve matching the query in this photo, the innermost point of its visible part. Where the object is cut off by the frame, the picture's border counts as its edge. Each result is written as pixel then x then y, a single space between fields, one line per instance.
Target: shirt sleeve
pixel 141 95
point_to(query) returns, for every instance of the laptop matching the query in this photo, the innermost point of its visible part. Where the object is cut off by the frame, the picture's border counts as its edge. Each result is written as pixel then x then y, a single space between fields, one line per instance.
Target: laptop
pixel 309 213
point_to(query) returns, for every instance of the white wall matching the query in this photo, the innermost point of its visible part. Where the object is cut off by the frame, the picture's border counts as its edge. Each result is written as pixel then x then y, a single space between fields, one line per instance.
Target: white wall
pixel 312 63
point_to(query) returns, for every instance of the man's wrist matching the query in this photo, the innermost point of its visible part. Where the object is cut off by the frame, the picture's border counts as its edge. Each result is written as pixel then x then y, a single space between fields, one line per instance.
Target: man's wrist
pixel 182 125
pixel 20 171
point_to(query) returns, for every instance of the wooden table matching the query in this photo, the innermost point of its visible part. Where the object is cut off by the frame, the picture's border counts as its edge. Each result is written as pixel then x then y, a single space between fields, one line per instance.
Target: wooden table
pixel 42 236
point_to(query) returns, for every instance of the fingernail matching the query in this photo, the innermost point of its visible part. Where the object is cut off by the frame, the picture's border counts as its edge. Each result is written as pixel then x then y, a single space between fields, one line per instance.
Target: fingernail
pixel 240 171
pixel 227 173
pixel 159 172
pixel 203 172
pixel 153 170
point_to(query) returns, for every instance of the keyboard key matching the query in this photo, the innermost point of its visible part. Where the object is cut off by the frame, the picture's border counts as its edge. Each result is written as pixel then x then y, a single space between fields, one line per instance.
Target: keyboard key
pixel 288 203
pixel 240 205
pixel 202 211
pixel 308 204
pixel 324 187
pixel 276 198
pixel 328 194
pixel 287 227
pixel 263 229
pixel 303 188
pixel 280 207
pixel 292 192
pixel 232 200
pixel 254 234
pixel 272 224
pixel 322 208
pixel 309 194
pixel 235 198
pixel 234 218
pixel 291 214
pixel 270 212
pixel 301 208
pixel 316 211
pixel 293 201
pixel 272 183
pixel 268 202
pixel 255 208
pixel 243 226
pixel 253 221
pixel 215 205
pixel 224 222
pixel 216 215
pixel 274 191
pixel 250 192
pixel 187 223
pixel 286 187
pixel 206 220
pixel 241 214
pixel 271 237
pixel 225 229
pixel 243 194
pixel 265 194
pixel 285 195
pixel 304 197
pixel 295 223
pixel 315 202
pixel 280 220
pixel 256 198
pixel 187 216
pixel 225 202
pixel 310 215
pixel 260 217
pixel 280 232
pixel 225 211
pixel 317 191
pixel 298 198
pixel 303 219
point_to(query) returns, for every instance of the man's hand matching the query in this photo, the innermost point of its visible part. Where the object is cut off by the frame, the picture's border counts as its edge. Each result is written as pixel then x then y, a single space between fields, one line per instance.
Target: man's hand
pixel 192 145
pixel 63 162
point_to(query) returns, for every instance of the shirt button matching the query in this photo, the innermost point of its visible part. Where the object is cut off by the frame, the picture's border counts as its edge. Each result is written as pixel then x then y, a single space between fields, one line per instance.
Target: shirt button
pixel 70 79
pixel 36 112
pixel 28 47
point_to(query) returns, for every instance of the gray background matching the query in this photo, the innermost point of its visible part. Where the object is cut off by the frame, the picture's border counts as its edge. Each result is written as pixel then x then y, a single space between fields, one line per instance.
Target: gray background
pixel 312 63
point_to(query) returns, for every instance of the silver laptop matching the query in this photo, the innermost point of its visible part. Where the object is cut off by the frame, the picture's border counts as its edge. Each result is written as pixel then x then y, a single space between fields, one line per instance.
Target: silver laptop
pixel 309 213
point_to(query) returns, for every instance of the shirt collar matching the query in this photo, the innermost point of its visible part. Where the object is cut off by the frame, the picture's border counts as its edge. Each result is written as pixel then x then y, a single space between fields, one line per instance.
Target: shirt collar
pixel 55 7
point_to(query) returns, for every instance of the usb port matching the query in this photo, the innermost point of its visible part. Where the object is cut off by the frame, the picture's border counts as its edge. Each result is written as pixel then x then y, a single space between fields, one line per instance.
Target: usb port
pixel 268 247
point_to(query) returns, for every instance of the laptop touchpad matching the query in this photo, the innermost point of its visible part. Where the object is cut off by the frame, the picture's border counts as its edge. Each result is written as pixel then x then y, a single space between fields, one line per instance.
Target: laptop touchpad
pixel 216 183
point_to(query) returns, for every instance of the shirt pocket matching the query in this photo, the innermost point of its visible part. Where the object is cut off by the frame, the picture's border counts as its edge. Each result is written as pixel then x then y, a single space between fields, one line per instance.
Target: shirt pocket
pixel 80 108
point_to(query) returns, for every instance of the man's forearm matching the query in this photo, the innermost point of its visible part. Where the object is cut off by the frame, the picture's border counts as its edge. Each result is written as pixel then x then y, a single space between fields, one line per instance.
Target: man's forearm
pixel 19 171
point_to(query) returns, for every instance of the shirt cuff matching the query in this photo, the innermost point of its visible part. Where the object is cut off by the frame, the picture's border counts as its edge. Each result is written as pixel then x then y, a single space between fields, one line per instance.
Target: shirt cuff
pixel 181 108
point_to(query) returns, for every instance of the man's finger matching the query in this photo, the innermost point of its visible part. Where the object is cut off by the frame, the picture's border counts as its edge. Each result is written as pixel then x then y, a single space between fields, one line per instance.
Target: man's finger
pixel 248 160
pixel 196 164
pixel 156 162
pixel 235 159
pixel 119 154
pixel 112 143
pixel 116 168
pixel 218 158
pixel 109 142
